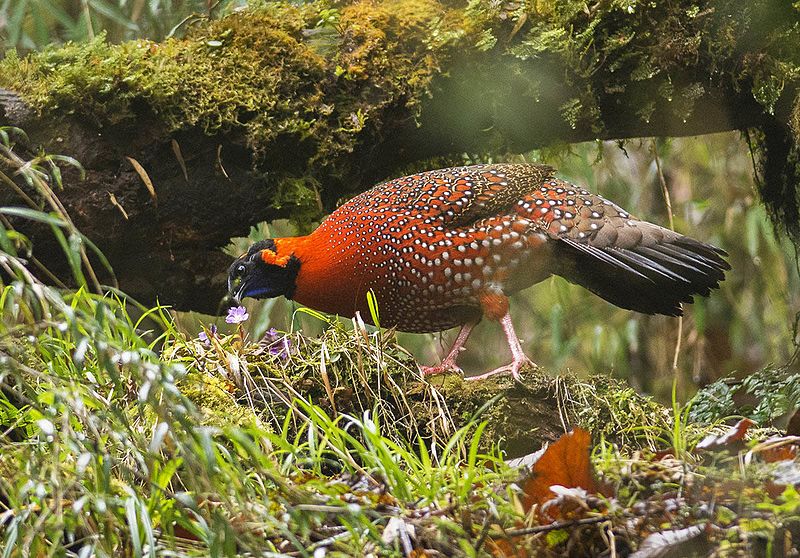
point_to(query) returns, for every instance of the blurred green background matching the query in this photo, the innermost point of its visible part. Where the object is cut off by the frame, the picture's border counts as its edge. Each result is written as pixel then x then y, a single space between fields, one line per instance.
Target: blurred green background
pixel 35 24
pixel 745 326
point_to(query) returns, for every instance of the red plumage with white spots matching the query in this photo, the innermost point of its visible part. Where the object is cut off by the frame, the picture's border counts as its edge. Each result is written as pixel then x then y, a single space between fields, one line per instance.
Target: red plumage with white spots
pixel 445 248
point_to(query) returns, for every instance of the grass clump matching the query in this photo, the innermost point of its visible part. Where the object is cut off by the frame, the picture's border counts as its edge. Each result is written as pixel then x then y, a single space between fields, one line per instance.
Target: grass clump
pixel 103 454
pixel 342 371
pixel 355 371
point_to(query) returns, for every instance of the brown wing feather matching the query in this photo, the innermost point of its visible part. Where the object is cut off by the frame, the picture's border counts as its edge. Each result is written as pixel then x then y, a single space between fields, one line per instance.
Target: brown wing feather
pixel 458 196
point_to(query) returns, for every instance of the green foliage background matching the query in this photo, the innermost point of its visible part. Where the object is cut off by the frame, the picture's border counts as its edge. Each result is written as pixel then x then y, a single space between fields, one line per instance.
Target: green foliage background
pixel 35 24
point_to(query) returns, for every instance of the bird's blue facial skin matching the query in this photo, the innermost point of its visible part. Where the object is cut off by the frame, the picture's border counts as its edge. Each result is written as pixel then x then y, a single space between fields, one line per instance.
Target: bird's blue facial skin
pixel 263 292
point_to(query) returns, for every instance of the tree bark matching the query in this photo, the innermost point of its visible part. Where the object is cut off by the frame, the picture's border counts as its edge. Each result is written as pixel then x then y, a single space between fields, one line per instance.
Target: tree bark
pixel 282 111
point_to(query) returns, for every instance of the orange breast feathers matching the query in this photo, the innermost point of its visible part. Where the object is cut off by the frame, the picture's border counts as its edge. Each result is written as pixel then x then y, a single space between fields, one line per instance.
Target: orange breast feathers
pixel 331 276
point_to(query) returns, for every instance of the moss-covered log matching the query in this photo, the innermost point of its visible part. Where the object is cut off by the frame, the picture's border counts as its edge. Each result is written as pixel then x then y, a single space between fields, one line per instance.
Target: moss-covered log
pixel 356 374
pixel 282 110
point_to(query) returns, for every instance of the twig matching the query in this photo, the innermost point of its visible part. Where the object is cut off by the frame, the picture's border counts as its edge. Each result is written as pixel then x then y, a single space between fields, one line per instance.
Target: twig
pixel 668 201
pixel 552 527
pixel 483 535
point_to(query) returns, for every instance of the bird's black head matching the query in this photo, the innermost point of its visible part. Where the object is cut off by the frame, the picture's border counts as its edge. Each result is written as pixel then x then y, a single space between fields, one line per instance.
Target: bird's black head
pixel 263 273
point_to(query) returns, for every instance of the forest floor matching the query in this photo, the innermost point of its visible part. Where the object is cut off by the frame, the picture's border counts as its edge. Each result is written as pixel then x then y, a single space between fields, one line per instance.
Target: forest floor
pixel 120 441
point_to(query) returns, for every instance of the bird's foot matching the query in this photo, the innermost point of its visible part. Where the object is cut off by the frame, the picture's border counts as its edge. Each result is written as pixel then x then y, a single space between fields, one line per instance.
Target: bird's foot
pixel 516 365
pixel 445 367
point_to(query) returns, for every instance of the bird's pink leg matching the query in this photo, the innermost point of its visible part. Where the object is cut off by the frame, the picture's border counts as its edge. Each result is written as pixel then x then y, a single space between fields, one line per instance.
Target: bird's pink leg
pixel 448 364
pixel 519 360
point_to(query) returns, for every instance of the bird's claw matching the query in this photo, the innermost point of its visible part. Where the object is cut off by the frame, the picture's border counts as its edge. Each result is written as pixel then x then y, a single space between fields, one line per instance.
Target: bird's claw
pixel 514 367
pixel 444 367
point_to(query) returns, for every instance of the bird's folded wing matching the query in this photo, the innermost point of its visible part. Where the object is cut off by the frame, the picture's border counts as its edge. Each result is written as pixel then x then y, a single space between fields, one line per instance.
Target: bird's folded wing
pixel 459 196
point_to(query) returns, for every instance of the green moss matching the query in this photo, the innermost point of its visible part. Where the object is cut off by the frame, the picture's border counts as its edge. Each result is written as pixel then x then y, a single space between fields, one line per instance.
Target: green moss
pixel 324 75
pixel 250 70
pixel 275 78
pixel 542 407
pixel 622 47
pixel 215 399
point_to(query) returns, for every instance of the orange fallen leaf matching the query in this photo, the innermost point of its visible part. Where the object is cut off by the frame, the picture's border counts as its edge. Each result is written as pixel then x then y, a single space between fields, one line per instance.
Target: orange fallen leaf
pixel 560 480
pixel 564 463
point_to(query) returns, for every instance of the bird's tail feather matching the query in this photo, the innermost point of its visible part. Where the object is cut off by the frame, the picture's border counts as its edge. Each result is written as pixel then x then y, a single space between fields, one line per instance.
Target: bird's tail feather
pixel 653 278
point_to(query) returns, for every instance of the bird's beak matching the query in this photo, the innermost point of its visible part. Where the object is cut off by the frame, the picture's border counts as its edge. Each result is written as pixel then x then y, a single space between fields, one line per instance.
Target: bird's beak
pixel 236 287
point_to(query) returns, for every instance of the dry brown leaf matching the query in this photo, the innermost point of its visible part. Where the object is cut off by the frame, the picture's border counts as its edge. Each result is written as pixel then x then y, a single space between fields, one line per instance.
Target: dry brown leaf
pixel 176 149
pixel 565 463
pixel 145 178
pixel 782 453
pixel 775 449
pixel 735 434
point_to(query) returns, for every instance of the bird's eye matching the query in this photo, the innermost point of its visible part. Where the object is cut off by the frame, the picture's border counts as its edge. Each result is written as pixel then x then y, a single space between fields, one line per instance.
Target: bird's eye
pixel 240 269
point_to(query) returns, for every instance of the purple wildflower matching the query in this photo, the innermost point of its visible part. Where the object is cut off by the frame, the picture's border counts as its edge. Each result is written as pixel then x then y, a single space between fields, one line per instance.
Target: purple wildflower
pixel 203 336
pixel 276 343
pixel 237 315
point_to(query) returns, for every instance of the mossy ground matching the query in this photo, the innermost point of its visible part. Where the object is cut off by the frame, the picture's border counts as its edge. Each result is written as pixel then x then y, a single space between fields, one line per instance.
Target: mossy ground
pixel 293 444
pixel 290 443
pixel 352 372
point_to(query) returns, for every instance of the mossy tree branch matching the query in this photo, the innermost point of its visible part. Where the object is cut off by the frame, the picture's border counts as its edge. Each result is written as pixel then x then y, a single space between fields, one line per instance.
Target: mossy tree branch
pixel 282 110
